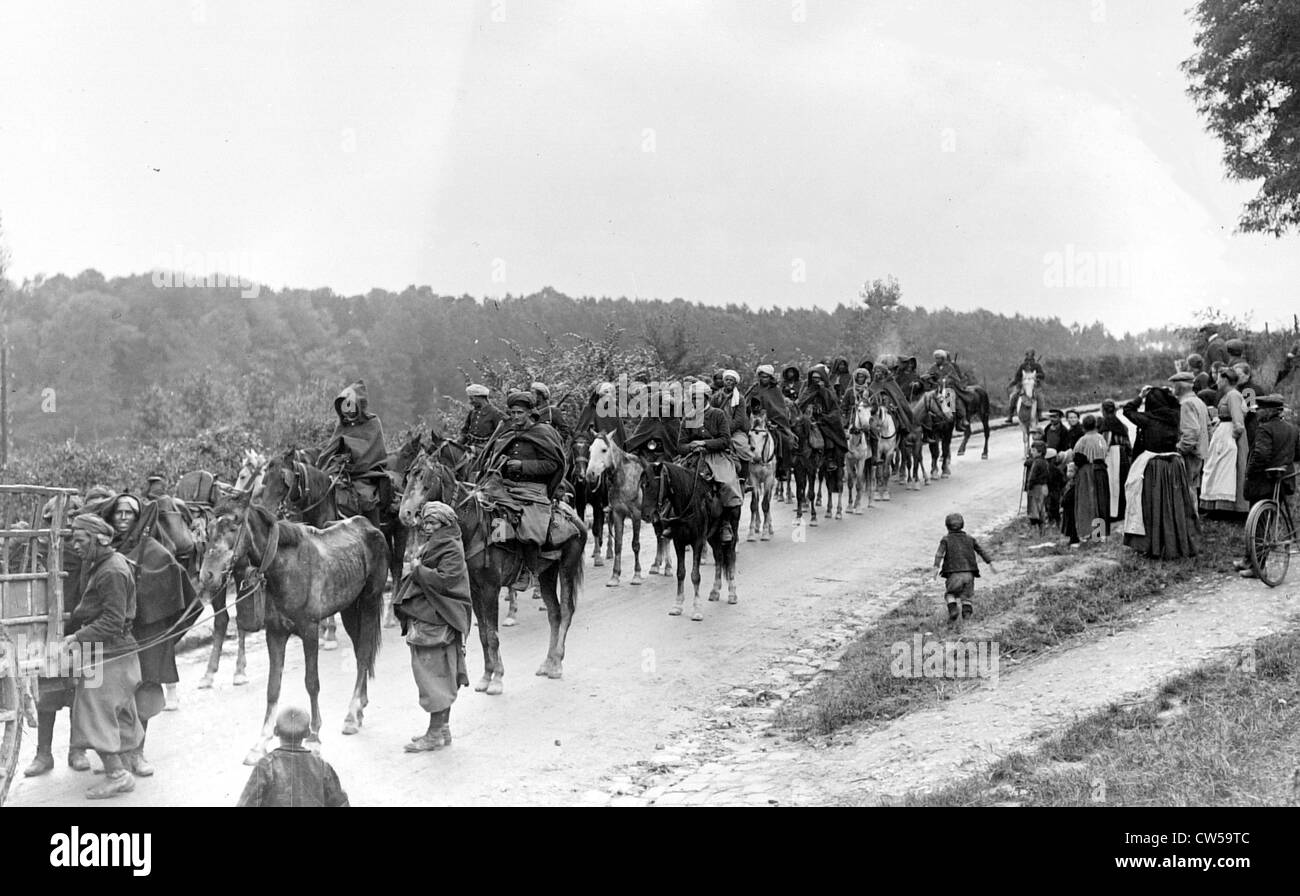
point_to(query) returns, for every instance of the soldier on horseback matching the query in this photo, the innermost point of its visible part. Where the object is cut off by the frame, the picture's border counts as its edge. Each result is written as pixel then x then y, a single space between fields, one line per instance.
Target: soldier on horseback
pixel 355 453
pixel 1029 364
pixel 731 403
pixel 547 413
pixel 772 398
pixel 483 419
pixel 706 436
pixel 529 455
pixel 945 367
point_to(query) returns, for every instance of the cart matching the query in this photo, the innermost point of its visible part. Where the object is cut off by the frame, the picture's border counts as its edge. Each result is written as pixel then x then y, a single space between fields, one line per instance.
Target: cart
pixel 31 603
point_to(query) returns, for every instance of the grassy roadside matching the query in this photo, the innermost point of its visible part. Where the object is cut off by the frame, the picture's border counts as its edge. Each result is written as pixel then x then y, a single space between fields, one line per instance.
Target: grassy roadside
pixel 1059 595
pixel 1224 734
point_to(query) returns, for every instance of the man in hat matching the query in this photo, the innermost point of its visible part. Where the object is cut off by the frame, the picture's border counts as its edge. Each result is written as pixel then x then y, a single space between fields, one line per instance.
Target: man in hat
pixel 1200 376
pixel 1274 445
pixel 483 419
pixel 104 716
pixel 547 413
pixel 530 457
pixel 1193 428
pixel 1029 364
pixel 1236 349
pixel 1055 433
pixel 356 449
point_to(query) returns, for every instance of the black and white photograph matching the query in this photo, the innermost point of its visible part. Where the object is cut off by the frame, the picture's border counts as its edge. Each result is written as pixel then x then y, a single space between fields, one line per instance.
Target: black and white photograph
pixel 563 403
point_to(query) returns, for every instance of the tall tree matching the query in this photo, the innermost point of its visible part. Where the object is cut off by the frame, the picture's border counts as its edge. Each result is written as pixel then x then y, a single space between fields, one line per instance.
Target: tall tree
pixel 1245 79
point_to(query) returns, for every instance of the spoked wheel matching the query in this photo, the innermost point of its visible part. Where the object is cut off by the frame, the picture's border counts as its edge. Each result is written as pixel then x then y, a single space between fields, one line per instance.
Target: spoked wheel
pixel 11 716
pixel 1268 543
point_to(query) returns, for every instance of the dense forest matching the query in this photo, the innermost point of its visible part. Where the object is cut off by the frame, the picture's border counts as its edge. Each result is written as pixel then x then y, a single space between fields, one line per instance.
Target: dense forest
pixel 125 358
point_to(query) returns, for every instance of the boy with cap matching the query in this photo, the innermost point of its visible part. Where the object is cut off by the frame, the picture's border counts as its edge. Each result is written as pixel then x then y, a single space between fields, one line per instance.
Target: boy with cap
pixel 292 776
pixel 956 561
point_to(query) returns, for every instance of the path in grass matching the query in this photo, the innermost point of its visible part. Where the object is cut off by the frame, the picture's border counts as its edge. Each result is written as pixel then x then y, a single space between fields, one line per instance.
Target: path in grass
pixel 928 748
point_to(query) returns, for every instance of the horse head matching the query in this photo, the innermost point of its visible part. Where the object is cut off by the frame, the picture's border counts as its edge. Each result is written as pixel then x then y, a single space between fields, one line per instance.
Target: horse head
pixel 1027 382
pixel 278 479
pixel 428 479
pixel 862 416
pixel 601 458
pixel 224 544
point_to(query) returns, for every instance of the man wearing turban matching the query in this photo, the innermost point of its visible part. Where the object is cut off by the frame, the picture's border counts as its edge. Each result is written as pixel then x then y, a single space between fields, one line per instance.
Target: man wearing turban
pixel 483 418
pixel 357 449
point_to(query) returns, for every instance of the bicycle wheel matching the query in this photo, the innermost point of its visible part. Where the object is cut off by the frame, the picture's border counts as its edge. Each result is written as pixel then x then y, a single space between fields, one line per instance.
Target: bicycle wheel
pixel 1268 543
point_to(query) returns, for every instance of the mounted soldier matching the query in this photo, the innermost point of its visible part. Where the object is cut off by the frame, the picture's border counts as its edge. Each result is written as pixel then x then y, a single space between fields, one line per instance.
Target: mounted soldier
pixel 355 453
pixel 601 415
pixel 529 456
pixel 705 431
pixel 885 388
pixel 945 367
pixel 841 377
pixel 547 413
pixel 818 400
pixel 1029 364
pixel 483 419
pixel 859 390
pixel 731 403
pixel 791 378
pixel 771 398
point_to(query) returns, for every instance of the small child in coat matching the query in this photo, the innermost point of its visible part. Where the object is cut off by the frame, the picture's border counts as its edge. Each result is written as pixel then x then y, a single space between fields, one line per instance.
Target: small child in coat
pixel 292 776
pixel 1037 479
pixel 955 559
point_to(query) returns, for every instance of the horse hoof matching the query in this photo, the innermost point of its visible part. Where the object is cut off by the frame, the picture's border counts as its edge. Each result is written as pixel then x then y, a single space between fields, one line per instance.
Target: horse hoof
pixel 350 728
pixel 750 537
pixel 812 523
pixel 509 622
pixel 636 579
pixel 765 537
pixel 495 688
pixel 839 514
pixel 984 456
pixel 612 583
pixel 240 679
pixel 329 645
pixel 483 684
pixel 732 599
pixel 714 595
pixel 675 611
pixel 697 616
pixel 205 683
pixel 597 561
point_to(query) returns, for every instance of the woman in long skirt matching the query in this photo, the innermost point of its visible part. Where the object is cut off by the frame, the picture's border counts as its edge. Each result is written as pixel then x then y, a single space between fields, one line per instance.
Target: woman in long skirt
pixel 1119 457
pixel 1160 514
pixel 433 606
pixel 1091 483
pixel 1223 481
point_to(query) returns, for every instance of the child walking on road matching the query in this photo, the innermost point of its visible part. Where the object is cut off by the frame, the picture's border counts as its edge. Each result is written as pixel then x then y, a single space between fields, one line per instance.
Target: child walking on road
pixel 955 559
pixel 293 776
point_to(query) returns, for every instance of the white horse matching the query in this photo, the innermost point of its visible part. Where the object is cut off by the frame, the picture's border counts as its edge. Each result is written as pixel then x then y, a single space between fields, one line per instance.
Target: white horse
pixel 1027 407
pixel 762 477
pixel 860 461
pixel 886 432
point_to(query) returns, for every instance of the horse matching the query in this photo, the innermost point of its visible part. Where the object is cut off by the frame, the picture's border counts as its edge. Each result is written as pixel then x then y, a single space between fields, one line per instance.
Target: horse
pixel 831 472
pixel 762 477
pixel 975 404
pixel 860 464
pixel 491 566
pixel 308 574
pixel 685 507
pixel 587 494
pixel 936 413
pixel 1027 407
pixel 622 474
pixel 805 462
pixel 886 430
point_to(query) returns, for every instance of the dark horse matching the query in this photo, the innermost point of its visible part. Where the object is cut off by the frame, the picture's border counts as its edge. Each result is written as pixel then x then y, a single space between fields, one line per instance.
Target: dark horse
pixel 588 494
pixel 690 515
pixel 805 463
pixel 309 575
pixel 306 493
pixel 975 403
pixel 491 566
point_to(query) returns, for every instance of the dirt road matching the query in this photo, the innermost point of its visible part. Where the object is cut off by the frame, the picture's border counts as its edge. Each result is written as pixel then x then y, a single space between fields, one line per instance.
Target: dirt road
pixel 634 676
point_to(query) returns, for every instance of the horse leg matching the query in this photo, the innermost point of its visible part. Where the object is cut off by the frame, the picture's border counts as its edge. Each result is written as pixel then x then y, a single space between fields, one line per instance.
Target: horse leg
pixel 610 531
pixel 680 548
pixel 617 538
pixel 276 639
pixel 311 678
pixel 220 622
pixel 597 532
pixel 636 547
pixel 718 562
pixel 241 659
pixel 697 612
pixel 329 639
pixel 984 416
pixel 767 511
pixel 559 616
pixel 729 555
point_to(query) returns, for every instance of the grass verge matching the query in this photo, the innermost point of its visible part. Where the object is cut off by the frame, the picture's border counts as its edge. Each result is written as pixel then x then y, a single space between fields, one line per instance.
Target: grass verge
pixel 1043 608
pixel 1222 735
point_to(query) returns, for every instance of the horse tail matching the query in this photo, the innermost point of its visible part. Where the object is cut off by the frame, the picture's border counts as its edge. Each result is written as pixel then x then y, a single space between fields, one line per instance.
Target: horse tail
pixel 370 604
pixel 572 573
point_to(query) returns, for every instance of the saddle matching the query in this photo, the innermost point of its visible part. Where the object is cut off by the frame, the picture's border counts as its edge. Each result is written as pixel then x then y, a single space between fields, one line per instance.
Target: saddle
pixel 504 511
pixel 361 494
pixel 198 487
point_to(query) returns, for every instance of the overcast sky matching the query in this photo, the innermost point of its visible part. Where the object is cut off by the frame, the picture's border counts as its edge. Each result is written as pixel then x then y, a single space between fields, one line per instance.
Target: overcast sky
pixel 1008 154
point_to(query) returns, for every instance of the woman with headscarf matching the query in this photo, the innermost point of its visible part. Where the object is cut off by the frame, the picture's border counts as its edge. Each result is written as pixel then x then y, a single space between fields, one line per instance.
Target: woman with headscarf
pixel 1223 480
pixel 819 401
pixel 433 606
pixel 1091 483
pixel 1119 456
pixel 1160 516
pixel 166 604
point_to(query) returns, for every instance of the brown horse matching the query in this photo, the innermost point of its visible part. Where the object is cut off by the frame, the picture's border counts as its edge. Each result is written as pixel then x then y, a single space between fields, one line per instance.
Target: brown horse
pixel 493 565
pixel 309 575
